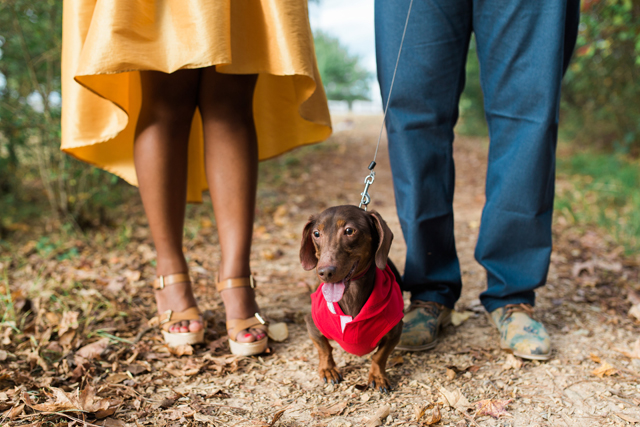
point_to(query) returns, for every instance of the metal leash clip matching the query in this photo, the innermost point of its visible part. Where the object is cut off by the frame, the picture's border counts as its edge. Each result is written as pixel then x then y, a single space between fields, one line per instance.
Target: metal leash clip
pixel 366 199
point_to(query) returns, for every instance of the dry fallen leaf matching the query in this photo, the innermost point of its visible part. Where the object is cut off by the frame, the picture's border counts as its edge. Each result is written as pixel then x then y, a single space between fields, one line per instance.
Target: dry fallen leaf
pixel 604 370
pixel 454 399
pixel 379 417
pixel 457 318
pixel 69 321
pixel 91 351
pixel 451 374
pixel 595 357
pixel 277 416
pixel 435 417
pixel 190 368
pixel 181 350
pixel 634 312
pixel 493 408
pixel 628 418
pixel 181 412
pixel 207 419
pixel 335 409
pixel 512 362
pixel 14 412
pixel 278 331
pixel 634 354
pixel 117 378
pixel 85 401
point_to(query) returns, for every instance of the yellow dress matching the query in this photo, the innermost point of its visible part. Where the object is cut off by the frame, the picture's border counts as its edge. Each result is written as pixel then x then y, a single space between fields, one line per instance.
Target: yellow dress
pixel 106 43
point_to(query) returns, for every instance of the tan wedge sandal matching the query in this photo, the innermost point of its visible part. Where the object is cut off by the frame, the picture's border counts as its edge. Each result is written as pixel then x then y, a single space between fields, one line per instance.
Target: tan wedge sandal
pixel 170 317
pixel 236 325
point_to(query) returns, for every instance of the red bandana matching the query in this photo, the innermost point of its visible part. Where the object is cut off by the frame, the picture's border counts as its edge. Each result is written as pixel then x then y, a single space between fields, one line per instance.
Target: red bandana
pixel 360 336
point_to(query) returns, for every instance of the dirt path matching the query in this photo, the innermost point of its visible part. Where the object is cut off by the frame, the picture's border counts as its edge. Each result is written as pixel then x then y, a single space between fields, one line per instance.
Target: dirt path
pixel 583 306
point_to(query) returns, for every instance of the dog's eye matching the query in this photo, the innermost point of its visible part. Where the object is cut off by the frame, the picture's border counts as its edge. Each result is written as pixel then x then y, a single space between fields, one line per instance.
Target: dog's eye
pixel 316 234
pixel 349 231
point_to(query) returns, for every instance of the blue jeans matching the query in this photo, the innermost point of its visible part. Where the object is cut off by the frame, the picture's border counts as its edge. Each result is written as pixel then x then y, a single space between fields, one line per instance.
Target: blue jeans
pixel 524 47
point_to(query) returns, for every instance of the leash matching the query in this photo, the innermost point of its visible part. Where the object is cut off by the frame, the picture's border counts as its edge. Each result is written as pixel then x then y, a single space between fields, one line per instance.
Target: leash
pixel 366 199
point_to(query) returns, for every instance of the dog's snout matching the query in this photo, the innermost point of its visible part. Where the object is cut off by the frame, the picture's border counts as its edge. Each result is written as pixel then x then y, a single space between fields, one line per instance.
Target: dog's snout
pixel 327 272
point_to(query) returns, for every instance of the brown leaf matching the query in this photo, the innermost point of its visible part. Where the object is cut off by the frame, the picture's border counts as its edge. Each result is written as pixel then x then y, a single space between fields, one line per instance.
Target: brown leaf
pixel 493 408
pixel 181 412
pixel 604 370
pixel 634 312
pixel 276 417
pixel 595 357
pixel 61 402
pixel 335 409
pixel 379 417
pixel 512 362
pixel 395 361
pixel 91 351
pixel 207 419
pixel 451 374
pixel 14 412
pixel 634 354
pixel 111 422
pixel 628 418
pixel 69 321
pixel 85 400
pixel 435 417
pixel 136 369
pixel 117 378
pixel 190 368
pixel 454 399
pixel 181 350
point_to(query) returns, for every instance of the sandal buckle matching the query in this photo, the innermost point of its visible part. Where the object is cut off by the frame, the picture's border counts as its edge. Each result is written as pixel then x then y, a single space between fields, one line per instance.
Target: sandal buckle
pixel 168 313
pixel 264 322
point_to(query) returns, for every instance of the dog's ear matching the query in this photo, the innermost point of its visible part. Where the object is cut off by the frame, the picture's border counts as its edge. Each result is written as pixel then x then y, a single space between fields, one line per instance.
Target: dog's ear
pixel 385 238
pixel 307 248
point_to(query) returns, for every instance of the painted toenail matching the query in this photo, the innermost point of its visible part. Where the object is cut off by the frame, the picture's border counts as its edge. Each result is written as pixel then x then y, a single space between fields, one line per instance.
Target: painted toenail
pixel 248 335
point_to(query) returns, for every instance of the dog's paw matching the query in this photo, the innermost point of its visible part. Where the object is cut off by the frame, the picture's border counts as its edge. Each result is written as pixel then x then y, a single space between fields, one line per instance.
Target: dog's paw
pixel 330 375
pixel 380 381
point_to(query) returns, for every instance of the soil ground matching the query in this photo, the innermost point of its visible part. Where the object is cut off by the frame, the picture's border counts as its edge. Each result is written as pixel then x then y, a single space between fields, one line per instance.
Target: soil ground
pixel 99 298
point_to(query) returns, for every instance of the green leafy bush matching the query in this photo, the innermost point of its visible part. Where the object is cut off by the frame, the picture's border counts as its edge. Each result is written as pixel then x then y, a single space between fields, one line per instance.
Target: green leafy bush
pixel 30 159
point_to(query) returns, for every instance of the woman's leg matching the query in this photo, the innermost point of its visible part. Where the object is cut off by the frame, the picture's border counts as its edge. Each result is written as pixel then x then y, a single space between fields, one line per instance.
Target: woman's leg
pixel 231 155
pixel 160 156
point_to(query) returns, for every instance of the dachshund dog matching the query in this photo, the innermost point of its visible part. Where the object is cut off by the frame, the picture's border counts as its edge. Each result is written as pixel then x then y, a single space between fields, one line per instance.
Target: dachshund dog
pixel 359 304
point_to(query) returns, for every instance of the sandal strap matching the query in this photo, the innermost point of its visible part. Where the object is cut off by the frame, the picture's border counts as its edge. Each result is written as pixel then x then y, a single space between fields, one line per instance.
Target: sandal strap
pixel 239 282
pixel 171 317
pixel 241 324
pixel 170 279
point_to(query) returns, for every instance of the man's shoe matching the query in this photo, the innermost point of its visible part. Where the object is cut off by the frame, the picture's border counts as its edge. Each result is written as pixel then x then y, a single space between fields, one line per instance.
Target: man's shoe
pixel 421 325
pixel 520 334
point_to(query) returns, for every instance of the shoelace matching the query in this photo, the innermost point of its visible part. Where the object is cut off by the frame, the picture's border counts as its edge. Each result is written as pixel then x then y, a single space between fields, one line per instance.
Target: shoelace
pixel 518 308
pixel 432 308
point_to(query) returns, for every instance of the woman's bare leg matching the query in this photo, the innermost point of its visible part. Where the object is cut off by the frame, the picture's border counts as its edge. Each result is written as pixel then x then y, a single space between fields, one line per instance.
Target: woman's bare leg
pixel 231 155
pixel 160 156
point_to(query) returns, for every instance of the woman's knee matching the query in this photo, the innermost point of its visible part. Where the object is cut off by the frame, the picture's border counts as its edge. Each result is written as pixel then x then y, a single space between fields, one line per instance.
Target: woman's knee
pixel 227 97
pixel 169 98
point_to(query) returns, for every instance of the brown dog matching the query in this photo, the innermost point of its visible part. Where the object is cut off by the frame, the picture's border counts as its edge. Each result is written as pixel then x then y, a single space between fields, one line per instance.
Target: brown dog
pixel 343 243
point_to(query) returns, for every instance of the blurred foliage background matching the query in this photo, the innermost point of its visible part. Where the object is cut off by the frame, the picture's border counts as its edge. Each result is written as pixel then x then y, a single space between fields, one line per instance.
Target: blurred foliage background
pixel 600 122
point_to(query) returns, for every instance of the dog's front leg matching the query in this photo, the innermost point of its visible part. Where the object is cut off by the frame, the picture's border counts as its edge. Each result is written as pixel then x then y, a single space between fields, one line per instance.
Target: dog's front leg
pixel 377 373
pixel 326 366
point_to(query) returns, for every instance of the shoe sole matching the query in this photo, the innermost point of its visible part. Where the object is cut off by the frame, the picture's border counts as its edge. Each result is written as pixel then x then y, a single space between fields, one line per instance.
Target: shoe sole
pixel 515 353
pixel 444 322
pixel 248 348
pixel 183 338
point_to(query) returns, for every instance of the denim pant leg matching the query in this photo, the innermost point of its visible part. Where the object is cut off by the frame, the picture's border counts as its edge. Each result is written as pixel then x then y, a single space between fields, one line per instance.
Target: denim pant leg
pixel 422 113
pixel 523 47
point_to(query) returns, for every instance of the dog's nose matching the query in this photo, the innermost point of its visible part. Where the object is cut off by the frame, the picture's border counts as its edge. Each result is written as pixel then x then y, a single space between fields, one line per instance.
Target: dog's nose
pixel 327 272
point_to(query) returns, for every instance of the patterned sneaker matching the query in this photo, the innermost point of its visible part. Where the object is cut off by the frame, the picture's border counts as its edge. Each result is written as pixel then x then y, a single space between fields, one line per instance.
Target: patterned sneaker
pixel 421 325
pixel 520 334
